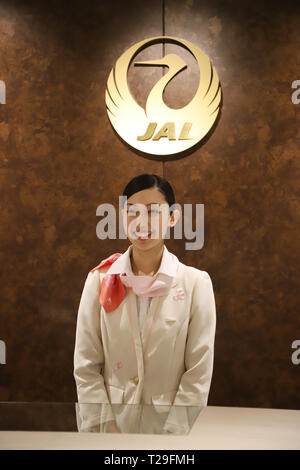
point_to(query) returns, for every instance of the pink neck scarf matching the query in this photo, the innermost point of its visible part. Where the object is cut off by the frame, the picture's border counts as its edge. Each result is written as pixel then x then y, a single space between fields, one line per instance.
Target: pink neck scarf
pixel 113 289
pixel 147 286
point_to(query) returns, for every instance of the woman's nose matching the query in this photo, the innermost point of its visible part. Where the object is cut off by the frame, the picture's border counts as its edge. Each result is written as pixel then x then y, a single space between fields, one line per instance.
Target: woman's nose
pixel 143 227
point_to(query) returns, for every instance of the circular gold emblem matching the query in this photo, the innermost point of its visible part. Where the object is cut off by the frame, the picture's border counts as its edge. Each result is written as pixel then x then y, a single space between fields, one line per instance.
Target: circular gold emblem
pixel 159 129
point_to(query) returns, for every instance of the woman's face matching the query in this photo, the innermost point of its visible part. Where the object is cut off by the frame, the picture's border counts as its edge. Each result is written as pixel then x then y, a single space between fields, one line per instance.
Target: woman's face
pixel 146 218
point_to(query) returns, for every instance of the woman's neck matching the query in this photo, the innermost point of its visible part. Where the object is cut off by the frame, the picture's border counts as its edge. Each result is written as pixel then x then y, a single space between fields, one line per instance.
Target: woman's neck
pixel 146 263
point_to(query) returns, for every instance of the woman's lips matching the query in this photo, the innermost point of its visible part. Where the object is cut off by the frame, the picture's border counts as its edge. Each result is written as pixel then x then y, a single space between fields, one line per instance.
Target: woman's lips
pixel 143 237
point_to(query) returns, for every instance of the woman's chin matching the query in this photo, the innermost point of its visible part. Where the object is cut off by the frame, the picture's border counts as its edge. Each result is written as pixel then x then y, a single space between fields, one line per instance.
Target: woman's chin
pixel 145 243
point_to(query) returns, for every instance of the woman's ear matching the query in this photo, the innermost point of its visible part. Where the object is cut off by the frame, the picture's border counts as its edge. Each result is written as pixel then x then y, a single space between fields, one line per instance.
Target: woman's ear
pixel 174 217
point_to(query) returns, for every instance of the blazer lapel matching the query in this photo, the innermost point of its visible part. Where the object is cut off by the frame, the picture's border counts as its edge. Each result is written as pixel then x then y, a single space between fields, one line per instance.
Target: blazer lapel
pixel 151 318
pixel 154 314
pixel 141 337
pixel 135 331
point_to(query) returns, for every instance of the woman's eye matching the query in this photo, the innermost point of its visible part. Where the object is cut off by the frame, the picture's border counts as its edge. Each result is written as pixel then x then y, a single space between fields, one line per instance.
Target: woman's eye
pixel 132 213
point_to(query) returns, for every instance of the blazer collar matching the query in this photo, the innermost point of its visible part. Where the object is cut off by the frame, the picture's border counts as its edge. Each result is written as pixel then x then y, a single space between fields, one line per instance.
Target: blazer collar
pixel 168 266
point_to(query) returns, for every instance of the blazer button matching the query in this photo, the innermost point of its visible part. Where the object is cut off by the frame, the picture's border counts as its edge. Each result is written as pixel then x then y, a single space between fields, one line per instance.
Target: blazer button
pixel 135 380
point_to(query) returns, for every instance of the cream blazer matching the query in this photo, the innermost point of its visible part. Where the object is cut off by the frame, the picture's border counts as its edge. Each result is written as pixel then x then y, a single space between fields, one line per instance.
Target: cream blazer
pixel 170 361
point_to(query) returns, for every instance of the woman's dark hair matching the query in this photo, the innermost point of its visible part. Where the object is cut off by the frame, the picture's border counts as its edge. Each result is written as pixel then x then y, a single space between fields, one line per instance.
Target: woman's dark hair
pixel 146 181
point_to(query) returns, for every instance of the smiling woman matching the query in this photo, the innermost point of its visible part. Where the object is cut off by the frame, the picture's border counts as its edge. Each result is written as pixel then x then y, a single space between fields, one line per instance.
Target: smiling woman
pixel 153 213
pixel 152 197
pixel 146 322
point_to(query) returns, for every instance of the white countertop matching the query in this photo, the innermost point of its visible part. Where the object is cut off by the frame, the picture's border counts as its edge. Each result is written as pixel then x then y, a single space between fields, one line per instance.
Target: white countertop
pixel 217 427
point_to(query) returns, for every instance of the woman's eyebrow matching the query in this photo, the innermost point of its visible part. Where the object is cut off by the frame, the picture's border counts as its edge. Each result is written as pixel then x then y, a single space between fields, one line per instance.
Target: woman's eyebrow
pixel 133 204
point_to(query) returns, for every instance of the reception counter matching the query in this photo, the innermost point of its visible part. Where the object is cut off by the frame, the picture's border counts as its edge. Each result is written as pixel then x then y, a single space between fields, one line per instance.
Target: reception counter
pixel 215 427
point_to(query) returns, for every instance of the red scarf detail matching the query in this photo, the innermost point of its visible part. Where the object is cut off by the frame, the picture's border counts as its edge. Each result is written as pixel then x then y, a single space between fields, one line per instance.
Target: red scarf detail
pixel 112 289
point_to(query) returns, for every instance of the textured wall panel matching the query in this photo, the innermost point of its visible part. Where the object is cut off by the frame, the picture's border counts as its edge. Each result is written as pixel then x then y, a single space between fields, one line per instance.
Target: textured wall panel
pixel 60 159
pixel 247 176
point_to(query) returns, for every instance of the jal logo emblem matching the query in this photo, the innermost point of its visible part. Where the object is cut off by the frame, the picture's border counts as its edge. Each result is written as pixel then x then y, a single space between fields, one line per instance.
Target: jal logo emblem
pixel 159 129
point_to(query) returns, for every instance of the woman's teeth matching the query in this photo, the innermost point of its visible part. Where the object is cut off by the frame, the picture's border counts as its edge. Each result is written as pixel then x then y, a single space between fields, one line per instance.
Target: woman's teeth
pixel 143 235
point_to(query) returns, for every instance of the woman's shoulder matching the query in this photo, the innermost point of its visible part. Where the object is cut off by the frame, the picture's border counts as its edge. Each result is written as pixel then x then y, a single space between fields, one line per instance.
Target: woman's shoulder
pixel 93 276
pixel 105 264
pixel 194 273
pixel 98 270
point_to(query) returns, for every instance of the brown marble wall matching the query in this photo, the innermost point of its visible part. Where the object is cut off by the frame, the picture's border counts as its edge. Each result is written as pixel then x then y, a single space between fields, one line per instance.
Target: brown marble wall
pixel 60 159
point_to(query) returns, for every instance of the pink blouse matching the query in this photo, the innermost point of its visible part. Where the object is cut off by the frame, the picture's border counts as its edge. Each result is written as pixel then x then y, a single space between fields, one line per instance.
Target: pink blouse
pixel 166 267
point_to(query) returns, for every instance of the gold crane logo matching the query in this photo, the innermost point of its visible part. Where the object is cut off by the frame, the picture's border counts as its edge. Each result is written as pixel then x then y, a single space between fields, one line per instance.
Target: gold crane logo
pixel 159 129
